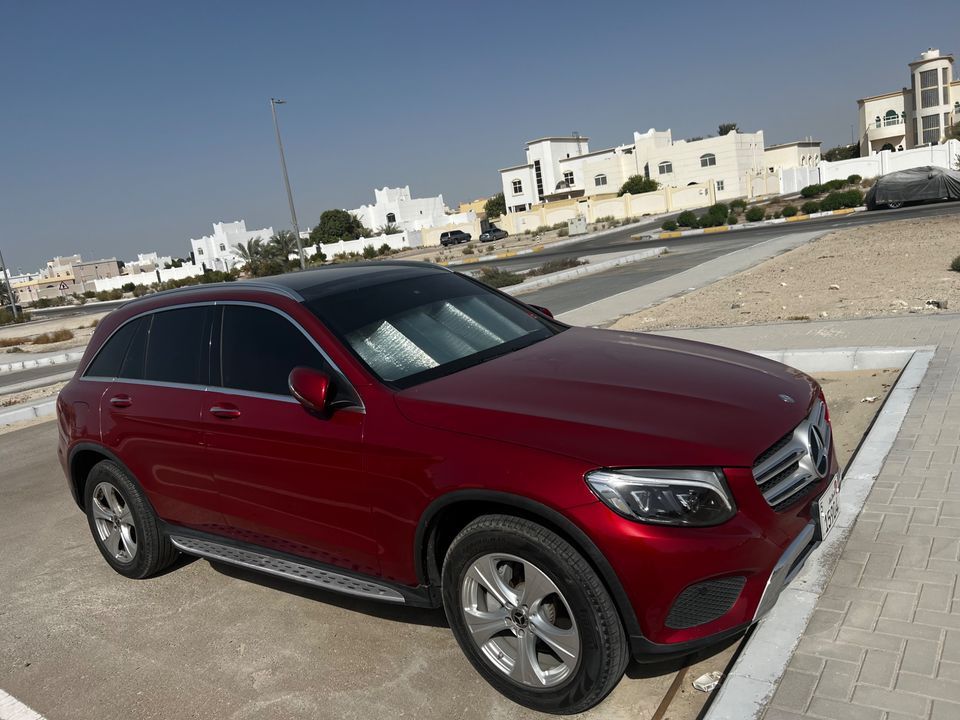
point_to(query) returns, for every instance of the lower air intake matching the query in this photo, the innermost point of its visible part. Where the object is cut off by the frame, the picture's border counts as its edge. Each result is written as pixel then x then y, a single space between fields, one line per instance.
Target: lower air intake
pixel 705 601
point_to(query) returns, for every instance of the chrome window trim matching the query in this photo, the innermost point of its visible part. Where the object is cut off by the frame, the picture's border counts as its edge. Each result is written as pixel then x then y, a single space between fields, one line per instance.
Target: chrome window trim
pixel 217 388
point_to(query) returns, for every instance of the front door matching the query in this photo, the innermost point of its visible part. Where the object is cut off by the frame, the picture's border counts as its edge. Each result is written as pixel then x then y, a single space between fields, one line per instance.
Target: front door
pixel 290 480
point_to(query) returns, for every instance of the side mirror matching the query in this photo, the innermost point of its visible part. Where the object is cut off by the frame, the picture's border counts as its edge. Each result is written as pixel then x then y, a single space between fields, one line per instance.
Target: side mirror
pixel 542 310
pixel 310 387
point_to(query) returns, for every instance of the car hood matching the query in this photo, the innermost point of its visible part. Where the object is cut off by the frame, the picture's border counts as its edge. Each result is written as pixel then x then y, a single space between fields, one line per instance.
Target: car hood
pixel 621 399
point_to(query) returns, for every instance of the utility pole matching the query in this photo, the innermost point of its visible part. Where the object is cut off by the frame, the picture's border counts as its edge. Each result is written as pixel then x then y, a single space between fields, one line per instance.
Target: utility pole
pixel 286 180
pixel 6 282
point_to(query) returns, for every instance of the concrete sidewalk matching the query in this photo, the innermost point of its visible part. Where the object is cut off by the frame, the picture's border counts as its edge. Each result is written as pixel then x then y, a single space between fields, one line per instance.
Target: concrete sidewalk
pixel 884 640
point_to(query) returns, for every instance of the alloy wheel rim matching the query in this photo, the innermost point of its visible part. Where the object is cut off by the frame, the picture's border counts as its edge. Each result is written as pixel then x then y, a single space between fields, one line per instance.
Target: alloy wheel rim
pixel 113 519
pixel 520 621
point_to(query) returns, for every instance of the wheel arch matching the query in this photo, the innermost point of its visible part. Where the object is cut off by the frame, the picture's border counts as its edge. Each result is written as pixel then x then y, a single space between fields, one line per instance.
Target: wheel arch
pixel 448 514
pixel 82 459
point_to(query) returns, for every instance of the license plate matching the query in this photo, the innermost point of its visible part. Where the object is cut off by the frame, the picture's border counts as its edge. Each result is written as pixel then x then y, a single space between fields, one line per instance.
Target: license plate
pixel 828 507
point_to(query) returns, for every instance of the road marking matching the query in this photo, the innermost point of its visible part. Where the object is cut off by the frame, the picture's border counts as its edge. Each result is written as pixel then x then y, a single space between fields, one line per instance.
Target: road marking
pixel 13 709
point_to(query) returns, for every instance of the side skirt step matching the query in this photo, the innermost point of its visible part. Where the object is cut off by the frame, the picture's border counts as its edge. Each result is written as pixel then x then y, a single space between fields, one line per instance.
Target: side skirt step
pixel 298 572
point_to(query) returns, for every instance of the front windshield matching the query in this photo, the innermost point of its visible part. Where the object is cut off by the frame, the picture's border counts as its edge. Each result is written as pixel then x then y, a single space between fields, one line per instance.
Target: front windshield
pixel 413 330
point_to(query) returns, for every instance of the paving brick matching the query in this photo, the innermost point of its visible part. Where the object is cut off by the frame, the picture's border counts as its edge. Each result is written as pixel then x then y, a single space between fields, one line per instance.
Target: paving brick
pixel 951 646
pixel 794 691
pixel 879 668
pixel 924 576
pixel 902 702
pixel 806 663
pixel 834 649
pixel 865 639
pixel 834 710
pixel 880 566
pixel 938 619
pixel 824 623
pixel 847 573
pixel 929 687
pixel 920 657
pixel 945 710
pixel 935 597
pixel 908 630
pixel 899 606
pixel 775 713
pixel 949 671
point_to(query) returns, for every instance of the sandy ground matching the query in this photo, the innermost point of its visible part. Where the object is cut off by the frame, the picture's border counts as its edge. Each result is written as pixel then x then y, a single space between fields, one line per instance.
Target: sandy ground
pixel 81 327
pixel 888 269
pixel 28 395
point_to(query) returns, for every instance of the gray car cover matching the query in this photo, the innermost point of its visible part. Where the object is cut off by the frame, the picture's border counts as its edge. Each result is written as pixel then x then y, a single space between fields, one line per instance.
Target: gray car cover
pixel 915 185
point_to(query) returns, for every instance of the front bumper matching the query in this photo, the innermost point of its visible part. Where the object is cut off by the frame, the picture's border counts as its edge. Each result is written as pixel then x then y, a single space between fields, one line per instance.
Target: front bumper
pixel 760 547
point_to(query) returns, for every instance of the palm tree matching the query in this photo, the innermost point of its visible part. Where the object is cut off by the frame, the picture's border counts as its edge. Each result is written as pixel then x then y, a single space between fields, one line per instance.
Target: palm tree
pixel 389 229
pixel 252 251
pixel 282 245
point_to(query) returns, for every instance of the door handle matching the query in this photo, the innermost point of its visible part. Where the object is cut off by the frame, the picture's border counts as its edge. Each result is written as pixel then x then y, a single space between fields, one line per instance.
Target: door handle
pixel 228 413
pixel 121 401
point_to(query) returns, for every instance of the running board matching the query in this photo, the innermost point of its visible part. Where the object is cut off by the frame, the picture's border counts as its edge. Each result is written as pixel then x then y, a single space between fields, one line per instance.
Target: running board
pixel 288 569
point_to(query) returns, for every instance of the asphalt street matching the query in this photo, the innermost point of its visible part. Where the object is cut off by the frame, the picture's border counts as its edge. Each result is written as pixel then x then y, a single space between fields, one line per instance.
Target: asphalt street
pixel 684 253
pixel 19 377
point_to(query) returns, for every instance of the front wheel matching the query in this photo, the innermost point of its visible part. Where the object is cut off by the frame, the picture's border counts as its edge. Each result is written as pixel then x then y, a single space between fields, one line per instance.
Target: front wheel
pixel 532 616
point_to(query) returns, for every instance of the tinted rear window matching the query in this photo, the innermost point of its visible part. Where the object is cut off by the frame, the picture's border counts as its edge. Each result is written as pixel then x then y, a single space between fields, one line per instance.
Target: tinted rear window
pixel 107 362
pixel 175 346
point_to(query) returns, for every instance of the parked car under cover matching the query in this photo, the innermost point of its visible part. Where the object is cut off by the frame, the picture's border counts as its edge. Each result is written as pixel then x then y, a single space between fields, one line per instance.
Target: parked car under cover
pixel 916 185
pixel 399 432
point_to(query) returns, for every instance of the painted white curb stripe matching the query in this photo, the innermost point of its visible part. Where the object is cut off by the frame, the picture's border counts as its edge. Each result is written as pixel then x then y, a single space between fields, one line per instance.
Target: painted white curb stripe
pixel 581 270
pixel 13 709
pixel 17 414
pixel 28 363
pixel 750 685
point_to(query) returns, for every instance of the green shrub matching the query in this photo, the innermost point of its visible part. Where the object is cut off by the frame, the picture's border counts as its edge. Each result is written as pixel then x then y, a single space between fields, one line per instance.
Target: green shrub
pixel 851 198
pixel 669 225
pixel 563 232
pixel 496 277
pixel 810 207
pixel 790 210
pixel 834 185
pixel 719 211
pixel 468 250
pixel 854 180
pixel 553 266
pixel 811 190
pixel 541 229
pixel 833 201
pixel 738 204
pixel 89 294
pixel 755 214
pixel 385 249
pixel 369 251
pixel 955 265
pixel 52 337
pixel 687 219
pixel 128 287
pixel 707 220
pixel 732 219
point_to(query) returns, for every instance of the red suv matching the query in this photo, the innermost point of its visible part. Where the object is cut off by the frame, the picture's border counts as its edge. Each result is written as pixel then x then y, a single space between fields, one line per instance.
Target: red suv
pixel 571 497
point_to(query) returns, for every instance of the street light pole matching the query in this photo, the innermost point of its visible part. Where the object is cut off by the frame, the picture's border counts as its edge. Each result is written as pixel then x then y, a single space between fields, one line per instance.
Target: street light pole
pixel 6 282
pixel 286 180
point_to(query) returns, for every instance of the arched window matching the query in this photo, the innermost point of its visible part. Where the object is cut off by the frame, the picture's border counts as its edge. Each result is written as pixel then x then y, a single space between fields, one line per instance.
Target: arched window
pixel 891 118
pixel 708 160
pixel 665 167
pixel 888 146
pixel 600 180
pixel 391 218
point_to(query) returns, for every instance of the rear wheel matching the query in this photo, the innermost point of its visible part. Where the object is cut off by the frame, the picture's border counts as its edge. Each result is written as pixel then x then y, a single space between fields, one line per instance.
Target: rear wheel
pixel 532 616
pixel 123 524
pixel 894 205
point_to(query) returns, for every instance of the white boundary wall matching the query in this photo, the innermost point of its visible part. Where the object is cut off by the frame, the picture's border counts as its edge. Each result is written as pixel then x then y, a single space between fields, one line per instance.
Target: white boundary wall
pixel 397 241
pixel 886 161
pixel 148 278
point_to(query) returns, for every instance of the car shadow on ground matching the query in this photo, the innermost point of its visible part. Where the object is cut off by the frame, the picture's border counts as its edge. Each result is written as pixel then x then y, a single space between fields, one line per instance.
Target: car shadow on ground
pixel 385 611
pixel 638 671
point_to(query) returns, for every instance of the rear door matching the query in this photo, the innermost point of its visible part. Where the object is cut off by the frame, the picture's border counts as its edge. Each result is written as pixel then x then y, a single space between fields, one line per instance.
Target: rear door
pixel 151 412
pixel 290 480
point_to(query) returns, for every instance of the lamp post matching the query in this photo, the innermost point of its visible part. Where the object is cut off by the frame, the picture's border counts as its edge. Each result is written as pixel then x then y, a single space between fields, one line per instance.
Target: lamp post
pixel 286 180
pixel 6 282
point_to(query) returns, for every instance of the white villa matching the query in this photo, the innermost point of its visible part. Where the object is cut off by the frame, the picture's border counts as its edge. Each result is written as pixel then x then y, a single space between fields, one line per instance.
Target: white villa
pixel 912 116
pixel 562 168
pixel 218 251
pixel 395 206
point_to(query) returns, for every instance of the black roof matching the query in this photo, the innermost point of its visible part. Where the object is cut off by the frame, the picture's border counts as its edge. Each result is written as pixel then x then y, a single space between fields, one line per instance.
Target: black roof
pixel 311 284
pixel 305 285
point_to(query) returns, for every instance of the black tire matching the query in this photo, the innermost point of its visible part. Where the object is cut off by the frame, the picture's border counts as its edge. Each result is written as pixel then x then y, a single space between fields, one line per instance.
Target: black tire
pixel 603 648
pixel 153 551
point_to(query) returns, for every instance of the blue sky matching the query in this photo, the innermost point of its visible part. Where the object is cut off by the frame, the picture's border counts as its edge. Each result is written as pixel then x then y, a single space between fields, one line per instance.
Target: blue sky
pixel 132 126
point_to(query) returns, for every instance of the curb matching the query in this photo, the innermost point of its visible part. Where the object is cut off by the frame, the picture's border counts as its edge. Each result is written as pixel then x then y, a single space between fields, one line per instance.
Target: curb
pixel 541 247
pixel 43 408
pixel 28 363
pixel 668 235
pixel 588 269
pixel 763 659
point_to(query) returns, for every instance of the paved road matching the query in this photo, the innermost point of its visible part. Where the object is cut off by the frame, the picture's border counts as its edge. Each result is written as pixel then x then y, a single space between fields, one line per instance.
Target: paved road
pixel 684 253
pixel 19 377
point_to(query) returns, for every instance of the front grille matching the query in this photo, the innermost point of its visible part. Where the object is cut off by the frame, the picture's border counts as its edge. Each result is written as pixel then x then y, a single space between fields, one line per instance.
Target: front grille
pixel 787 471
pixel 703 602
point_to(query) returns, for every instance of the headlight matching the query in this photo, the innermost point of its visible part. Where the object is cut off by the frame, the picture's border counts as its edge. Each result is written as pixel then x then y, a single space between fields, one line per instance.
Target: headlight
pixel 665 497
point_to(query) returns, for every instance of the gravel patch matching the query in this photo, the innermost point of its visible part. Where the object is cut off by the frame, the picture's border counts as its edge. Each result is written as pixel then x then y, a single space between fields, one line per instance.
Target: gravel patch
pixel 890 269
